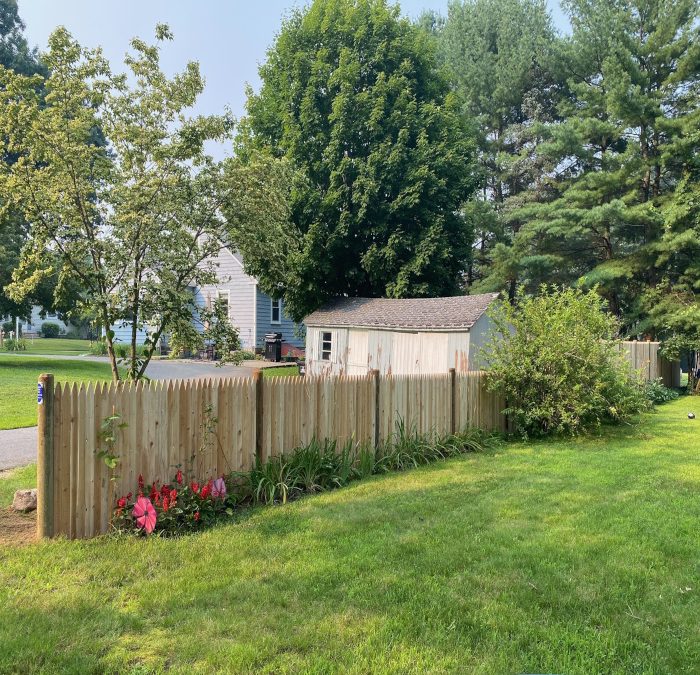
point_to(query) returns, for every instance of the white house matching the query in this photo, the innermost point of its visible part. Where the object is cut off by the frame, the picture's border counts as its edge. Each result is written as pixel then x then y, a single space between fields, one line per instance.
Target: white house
pixel 33 323
pixel 250 310
pixel 351 336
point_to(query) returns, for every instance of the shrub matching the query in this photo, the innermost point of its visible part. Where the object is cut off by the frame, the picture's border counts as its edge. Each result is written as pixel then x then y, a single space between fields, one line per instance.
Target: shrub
pixel 98 348
pixel 50 329
pixel 657 393
pixel 554 359
pixel 15 345
pixel 244 355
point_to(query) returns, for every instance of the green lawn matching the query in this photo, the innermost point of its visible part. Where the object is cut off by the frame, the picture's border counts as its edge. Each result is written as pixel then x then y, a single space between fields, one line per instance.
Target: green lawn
pixel 51 346
pixel 280 371
pixel 558 557
pixel 18 380
pixel 16 479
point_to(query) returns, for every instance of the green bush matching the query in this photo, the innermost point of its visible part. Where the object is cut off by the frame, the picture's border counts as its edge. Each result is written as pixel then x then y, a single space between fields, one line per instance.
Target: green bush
pixel 553 357
pixel 657 393
pixel 15 345
pixel 50 329
pixel 98 348
pixel 8 326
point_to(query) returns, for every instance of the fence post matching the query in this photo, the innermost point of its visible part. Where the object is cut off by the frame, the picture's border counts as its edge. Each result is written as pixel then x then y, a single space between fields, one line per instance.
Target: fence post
pixel 453 401
pixel 45 457
pixel 258 379
pixel 374 374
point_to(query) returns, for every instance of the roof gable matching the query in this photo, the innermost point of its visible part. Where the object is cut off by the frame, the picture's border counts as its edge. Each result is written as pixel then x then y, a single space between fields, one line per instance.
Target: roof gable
pixel 458 312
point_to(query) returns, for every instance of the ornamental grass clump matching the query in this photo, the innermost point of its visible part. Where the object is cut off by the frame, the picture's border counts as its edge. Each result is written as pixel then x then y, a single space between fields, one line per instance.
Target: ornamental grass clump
pixel 555 359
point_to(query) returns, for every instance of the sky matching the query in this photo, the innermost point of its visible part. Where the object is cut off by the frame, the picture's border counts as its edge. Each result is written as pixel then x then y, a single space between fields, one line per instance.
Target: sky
pixel 229 38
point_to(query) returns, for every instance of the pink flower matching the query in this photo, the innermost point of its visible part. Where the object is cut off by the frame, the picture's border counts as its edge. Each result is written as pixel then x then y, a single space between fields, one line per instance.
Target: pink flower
pixel 145 514
pixel 218 489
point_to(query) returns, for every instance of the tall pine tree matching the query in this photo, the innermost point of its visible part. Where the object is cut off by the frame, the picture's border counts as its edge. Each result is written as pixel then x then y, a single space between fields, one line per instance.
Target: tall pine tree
pixel 628 66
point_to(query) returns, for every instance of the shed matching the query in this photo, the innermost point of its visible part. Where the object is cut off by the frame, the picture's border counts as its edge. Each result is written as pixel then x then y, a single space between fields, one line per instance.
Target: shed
pixel 351 336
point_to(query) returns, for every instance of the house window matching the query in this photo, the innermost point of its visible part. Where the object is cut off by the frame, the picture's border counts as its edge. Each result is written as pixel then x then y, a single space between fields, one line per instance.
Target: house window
pixel 326 346
pixel 223 298
pixel 275 311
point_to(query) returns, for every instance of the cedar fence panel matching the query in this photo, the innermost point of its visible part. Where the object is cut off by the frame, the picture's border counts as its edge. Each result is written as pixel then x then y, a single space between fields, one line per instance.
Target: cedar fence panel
pixel 644 356
pixel 214 427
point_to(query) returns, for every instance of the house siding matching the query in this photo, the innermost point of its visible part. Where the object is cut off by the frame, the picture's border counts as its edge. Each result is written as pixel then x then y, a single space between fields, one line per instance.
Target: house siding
pixel 264 323
pixel 241 290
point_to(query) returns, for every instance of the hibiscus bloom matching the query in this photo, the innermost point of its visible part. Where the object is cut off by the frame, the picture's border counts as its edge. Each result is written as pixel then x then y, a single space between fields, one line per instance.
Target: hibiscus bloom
pixel 218 489
pixel 206 490
pixel 144 514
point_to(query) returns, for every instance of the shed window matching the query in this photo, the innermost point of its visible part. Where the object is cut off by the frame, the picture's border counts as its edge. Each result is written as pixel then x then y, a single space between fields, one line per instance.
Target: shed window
pixel 275 311
pixel 326 346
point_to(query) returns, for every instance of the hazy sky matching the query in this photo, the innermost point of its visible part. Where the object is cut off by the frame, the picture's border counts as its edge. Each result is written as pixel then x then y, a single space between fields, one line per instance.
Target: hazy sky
pixel 229 38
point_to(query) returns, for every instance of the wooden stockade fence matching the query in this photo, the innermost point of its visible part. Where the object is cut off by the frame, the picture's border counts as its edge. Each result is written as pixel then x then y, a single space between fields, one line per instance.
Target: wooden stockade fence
pixel 644 356
pixel 212 427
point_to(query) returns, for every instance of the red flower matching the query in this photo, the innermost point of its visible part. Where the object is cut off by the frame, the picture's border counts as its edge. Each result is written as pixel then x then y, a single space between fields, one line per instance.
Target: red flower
pixel 129 496
pixel 196 515
pixel 165 490
pixel 144 514
pixel 205 491
pixel 166 503
pixel 178 477
pixel 140 482
pixel 121 502
pixel 173 497
pixel 154 492
pixel 194 486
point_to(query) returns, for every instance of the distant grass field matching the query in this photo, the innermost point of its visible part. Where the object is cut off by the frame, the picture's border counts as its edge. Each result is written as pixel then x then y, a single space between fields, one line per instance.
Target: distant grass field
pixel 51 346
pixel 18 380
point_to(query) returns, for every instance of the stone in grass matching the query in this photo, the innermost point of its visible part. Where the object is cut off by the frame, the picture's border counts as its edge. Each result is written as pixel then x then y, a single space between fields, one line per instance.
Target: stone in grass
pixel 25 500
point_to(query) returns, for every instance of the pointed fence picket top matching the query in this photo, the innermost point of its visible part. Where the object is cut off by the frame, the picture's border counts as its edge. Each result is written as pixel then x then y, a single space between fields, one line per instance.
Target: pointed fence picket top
pixel 219 425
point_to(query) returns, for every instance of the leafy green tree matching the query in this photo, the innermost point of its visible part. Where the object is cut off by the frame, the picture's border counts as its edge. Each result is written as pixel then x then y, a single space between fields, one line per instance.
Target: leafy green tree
pixel 351 96
pixel 554 359
pixel 628 66
pixel 16 55
pixel 135 221
pixel 501 56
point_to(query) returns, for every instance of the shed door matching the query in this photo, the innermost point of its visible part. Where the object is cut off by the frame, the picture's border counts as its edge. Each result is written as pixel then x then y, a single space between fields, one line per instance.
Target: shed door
pixel 357 352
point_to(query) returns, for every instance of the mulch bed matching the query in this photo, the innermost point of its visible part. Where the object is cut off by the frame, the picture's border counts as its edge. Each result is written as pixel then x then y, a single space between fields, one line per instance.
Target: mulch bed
pixel 17 529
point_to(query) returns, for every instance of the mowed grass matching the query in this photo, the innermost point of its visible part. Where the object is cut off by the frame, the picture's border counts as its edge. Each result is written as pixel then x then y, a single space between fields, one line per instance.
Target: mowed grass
pixel 577 556
pixel 281 371
pixel 15 479
pixel 18 384
pixel 53 346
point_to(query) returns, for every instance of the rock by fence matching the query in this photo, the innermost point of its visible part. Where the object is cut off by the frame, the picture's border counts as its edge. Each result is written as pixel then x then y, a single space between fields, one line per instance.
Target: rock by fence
pixel 212 427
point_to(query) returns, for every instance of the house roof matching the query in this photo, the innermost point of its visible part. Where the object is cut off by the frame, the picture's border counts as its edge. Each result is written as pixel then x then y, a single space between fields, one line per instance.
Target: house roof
pixel 460 312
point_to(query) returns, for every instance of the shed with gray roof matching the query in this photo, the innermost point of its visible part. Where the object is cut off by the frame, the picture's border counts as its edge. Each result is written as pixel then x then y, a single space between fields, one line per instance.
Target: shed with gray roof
pixel 351 336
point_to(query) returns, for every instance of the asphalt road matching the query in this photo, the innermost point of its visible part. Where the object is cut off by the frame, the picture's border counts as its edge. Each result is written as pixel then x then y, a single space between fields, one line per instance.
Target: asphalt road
pixel 18 446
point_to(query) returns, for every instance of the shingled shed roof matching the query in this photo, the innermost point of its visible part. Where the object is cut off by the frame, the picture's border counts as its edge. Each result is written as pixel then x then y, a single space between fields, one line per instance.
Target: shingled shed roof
pixel 459 312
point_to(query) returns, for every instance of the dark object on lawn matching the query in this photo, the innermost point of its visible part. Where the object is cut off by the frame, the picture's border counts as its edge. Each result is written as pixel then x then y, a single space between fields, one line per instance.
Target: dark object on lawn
pixel 691 416
pixel 273 347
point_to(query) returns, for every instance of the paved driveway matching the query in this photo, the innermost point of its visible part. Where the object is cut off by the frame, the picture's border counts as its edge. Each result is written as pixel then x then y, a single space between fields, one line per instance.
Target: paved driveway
pixel 18 446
